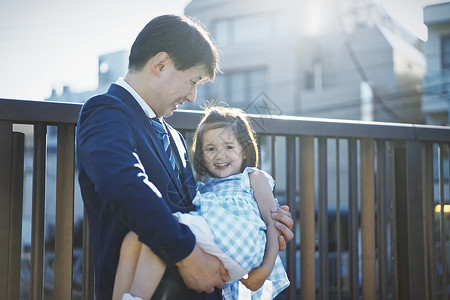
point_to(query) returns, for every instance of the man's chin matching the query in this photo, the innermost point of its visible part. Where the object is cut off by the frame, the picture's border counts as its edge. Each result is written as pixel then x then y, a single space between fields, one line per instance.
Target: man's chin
pixel 168 114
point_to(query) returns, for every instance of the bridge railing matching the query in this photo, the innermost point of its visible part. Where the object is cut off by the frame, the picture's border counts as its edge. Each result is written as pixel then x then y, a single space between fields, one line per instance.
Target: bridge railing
pixel 370 203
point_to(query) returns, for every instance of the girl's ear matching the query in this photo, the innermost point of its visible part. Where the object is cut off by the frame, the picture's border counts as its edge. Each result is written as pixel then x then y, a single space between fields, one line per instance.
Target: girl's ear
pixel 160 62
pixel 244 154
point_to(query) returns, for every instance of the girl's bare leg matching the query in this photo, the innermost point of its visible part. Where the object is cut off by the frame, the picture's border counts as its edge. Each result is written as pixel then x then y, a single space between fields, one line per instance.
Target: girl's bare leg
pixel 128 261
pixel 150 270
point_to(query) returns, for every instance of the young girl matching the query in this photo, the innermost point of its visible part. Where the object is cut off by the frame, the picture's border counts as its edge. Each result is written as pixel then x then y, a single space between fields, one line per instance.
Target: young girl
pixel 228 222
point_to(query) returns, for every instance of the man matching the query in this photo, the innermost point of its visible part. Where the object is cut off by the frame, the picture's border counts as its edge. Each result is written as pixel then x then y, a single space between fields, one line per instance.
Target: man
pixel 129 182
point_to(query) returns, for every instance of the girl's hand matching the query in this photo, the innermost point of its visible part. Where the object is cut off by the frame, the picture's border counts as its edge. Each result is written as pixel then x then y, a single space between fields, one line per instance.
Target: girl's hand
pixel 284 224
pixel 256 278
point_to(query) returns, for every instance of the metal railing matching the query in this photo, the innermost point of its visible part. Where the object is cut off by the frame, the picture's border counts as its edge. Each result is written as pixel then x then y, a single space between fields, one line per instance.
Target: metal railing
pixel 370 203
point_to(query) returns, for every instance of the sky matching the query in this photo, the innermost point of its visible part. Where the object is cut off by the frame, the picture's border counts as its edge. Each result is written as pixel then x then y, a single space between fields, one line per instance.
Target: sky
pixel 47 44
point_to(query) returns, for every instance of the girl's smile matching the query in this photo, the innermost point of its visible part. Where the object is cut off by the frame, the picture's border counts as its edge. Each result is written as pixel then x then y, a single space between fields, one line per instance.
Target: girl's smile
pixel 222 152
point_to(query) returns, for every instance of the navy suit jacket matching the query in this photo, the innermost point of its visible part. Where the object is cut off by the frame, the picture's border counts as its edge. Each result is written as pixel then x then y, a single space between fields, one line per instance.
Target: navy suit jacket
pixel 127 184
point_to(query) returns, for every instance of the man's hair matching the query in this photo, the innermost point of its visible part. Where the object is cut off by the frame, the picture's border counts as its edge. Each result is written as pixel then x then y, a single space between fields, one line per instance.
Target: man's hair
pixel 183 38
pixel 230 119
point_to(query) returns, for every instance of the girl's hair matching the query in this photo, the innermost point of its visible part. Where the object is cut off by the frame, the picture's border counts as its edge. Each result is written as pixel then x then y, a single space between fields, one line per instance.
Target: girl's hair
pixel 232 119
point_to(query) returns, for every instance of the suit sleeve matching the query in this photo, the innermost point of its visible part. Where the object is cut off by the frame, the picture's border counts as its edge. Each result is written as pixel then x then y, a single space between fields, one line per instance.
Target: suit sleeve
pixel 108 155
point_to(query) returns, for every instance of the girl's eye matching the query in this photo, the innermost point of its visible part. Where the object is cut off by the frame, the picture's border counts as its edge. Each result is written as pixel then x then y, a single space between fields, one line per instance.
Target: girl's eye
pixel 209 149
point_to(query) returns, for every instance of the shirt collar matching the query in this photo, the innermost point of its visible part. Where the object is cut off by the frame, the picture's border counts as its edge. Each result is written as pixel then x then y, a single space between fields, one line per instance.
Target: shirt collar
pixel 145 107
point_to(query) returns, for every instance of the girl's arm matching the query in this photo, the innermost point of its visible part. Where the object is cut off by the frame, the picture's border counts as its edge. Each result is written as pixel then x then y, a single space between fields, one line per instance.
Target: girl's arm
pixel 265 199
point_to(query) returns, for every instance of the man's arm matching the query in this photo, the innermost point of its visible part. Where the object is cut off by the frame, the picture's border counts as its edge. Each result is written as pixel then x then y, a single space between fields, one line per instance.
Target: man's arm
pixel 121 180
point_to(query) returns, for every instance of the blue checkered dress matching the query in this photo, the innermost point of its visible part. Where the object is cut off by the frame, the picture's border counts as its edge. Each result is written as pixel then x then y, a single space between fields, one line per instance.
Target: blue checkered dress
pixel 228 206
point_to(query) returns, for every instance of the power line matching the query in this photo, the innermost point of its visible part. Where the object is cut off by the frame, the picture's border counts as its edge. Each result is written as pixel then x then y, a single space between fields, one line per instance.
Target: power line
pixel 363 74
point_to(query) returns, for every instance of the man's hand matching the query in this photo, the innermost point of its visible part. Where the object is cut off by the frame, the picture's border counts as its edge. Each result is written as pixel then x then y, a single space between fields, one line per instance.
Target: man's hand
pixel 202 272
pixel 284 224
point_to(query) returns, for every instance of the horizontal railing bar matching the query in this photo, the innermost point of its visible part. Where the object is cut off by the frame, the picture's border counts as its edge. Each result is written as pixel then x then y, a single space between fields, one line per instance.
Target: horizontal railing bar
pixel 28 111
pixel 292 125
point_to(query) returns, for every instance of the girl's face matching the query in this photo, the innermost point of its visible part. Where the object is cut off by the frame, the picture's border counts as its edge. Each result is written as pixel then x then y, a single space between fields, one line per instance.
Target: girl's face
pixel 222 152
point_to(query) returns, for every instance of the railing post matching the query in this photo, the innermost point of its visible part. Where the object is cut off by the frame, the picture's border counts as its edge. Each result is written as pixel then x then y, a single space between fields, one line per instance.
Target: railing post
pixel 15 243
pixel 393 219
pixel 291 195
pixel 382 219
pixel 64 212
pixel 415 218
pixel 353 218
pixel 338 224
pixel 88 263
pixel 368 220
pixel 401 224
pixel 11 192
pixel 428 210
pixel 5 203
pixel 307 210
pixel 38 212
pixel 442 221
pixel 324 282
pixel 410 222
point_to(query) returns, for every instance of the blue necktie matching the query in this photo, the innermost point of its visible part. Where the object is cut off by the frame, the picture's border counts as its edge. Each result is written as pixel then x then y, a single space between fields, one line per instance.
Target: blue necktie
pixel 163 136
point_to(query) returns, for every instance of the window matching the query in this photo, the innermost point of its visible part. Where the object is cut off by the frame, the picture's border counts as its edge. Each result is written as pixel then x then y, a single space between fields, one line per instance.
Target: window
pixel 253 28
pixel 366 101
pixel 237 88
pixel 247 28
pixel 445 50
pixel 314 77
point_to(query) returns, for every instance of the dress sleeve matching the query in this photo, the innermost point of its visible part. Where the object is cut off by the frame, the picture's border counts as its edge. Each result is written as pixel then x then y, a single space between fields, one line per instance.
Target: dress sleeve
pixel 245 181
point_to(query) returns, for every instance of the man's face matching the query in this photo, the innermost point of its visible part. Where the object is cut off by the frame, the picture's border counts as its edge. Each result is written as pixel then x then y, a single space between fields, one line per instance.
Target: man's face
pixel 176 87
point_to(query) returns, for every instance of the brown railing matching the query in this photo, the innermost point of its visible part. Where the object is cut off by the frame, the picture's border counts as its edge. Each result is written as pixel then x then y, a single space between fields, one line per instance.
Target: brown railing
pixel 370 202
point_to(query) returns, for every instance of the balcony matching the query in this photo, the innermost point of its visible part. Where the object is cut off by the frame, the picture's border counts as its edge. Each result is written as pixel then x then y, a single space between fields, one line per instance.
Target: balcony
pixel 435 95
pixel 370 201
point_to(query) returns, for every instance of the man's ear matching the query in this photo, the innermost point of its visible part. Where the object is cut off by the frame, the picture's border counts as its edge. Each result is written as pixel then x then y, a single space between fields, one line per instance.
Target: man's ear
pixel 160 62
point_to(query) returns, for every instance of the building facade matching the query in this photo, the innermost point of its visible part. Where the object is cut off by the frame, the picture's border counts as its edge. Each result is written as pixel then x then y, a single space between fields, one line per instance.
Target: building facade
pixel 436 84
pixel 328 58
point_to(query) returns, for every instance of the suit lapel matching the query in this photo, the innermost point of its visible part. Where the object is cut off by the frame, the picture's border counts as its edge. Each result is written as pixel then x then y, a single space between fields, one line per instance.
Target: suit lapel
pixel 138 113
pixel 186 174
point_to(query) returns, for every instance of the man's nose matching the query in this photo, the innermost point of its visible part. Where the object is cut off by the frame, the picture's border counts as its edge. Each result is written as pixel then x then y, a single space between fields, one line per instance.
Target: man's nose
pixel 192 94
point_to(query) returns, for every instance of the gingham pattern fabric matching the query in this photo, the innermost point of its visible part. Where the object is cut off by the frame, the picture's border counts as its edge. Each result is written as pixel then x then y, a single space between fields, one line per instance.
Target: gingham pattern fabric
pixel 228 206
pixel 274 285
